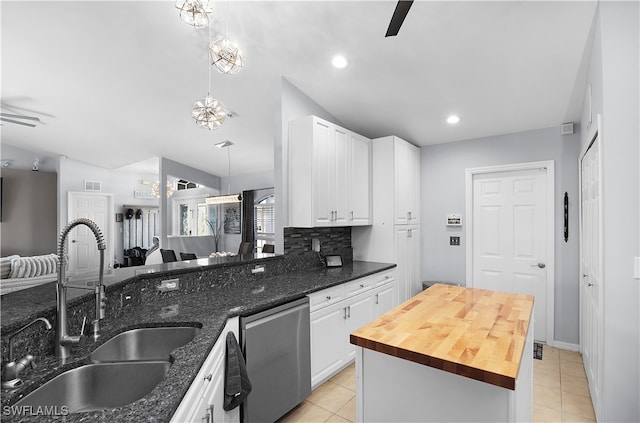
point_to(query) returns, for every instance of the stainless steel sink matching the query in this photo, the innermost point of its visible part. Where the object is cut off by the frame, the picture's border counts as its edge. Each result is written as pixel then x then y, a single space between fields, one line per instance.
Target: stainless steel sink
pixel 144 344
pixel 99 386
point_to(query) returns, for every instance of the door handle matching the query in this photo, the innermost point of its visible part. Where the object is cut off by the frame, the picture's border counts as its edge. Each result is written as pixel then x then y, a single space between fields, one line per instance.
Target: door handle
pixel 540 265
pixel 73 241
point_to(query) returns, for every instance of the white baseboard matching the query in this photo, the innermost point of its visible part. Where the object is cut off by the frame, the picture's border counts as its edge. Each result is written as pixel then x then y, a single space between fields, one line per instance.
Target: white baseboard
pixel 565 346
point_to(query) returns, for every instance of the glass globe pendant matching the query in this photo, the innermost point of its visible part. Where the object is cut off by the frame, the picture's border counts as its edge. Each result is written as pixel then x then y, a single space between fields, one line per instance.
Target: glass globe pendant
pixel 196 13
pixel 226 56
pixel 209 113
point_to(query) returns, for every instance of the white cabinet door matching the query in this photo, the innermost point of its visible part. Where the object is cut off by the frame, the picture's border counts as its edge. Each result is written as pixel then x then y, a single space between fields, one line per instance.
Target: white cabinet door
pixel 341 176
pixel 385 297
pixel 413 260
pixel 327 342
pixel 323 179
pixel 408 261
pixel 407 182
pixel 361 181
pixel 359 311
pixel 206 393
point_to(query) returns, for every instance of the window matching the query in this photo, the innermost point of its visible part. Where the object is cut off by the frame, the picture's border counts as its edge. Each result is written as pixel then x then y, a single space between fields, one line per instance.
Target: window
pixel 264 220
pixel 196 217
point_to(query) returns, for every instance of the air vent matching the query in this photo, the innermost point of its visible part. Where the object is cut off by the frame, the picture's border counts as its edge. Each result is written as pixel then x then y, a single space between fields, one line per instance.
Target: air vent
pixel 566 128
pixel 92 186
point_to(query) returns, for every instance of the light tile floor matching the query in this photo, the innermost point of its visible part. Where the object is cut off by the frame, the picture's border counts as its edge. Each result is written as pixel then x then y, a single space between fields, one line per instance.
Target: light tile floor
pixel 560 393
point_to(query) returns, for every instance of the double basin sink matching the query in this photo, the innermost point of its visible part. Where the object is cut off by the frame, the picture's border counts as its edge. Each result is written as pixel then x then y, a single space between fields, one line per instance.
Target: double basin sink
pixel 124 369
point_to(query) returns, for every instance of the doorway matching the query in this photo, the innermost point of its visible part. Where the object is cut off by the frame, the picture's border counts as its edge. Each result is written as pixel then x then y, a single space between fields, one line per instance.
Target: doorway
pixel 82 250
pixel 510 242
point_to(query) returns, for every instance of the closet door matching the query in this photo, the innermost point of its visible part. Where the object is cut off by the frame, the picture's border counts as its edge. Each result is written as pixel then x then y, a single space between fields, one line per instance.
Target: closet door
pixel 591 330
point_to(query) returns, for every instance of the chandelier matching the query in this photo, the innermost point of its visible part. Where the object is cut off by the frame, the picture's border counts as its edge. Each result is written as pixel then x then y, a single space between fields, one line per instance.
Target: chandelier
pixel 208 112
pixel 155 189
pixel 226 56
pixel 196 13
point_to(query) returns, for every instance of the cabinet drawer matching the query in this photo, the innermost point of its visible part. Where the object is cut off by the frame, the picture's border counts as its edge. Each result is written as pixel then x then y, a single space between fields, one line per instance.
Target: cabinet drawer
pixel 326 297
pixel 359 285
pixel 383 278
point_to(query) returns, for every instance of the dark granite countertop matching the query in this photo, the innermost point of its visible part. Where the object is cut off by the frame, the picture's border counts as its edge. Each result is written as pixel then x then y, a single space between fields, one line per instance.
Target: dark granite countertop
pixel 210 307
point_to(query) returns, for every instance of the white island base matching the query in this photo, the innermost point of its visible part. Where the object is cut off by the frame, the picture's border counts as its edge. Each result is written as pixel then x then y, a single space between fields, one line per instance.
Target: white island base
pixel 391 389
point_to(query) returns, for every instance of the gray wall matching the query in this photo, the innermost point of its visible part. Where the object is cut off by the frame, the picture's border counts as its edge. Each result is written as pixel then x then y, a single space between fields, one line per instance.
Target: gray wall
pixel 28 227
pixel 614 77
pixel 443 192
pixel 291 103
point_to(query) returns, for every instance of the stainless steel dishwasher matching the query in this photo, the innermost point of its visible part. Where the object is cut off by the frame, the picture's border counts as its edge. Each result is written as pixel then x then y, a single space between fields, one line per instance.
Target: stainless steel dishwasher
pixel 276 347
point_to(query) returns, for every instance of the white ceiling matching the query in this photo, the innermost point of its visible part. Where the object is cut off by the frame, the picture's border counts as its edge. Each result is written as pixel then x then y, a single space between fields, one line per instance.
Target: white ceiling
pixel 114 82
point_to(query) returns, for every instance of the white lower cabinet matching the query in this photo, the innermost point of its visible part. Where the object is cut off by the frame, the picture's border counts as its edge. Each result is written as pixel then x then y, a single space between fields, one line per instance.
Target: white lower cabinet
pixel 205 397
pixel 332 321
pixel 328 354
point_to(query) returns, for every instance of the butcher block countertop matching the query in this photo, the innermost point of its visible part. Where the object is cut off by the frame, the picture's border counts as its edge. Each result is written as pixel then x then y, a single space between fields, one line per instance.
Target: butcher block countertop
pixel 470 332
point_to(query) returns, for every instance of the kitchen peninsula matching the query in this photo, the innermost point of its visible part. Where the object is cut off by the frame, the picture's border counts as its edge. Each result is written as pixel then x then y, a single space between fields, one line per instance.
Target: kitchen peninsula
pixel 210 293
pixel 448 354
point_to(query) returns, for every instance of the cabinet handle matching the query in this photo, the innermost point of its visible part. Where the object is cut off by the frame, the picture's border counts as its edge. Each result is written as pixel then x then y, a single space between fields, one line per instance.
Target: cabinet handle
pixel 408 215
pixel 345 313
pixel 328 297
pixel 351 215
pixel 349 312
pixel 377 298
pixel 409 233
pixel 361 285
pixel 208 377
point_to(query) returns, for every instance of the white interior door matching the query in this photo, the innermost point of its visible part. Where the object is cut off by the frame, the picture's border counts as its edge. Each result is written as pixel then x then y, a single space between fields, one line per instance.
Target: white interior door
pixel 511 216
pixel 82 248
pixel 591 267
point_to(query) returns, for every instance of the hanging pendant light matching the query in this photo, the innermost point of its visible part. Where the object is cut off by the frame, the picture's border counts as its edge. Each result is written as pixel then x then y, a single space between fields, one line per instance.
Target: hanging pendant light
pixel 209 112
pixel 196 13
pixel 226 56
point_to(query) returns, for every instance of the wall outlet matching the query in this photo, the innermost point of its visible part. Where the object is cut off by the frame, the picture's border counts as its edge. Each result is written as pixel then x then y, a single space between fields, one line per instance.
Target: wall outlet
pixel 169 285
pixel 454 240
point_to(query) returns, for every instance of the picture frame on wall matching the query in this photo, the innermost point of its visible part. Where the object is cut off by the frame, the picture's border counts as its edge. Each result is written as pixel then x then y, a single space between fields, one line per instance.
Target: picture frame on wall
pixel 232 220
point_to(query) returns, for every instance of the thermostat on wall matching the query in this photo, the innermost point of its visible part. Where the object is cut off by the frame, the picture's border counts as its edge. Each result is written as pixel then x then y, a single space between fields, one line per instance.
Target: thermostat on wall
pixel 454 220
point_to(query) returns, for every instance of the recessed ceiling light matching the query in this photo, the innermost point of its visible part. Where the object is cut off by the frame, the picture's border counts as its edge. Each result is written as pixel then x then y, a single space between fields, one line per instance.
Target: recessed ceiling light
pixel 339 61
pixel 453 119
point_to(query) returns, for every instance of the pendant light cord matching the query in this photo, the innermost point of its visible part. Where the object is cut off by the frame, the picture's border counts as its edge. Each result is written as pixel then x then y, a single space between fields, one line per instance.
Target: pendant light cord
pixel 229 161
pixel 208 64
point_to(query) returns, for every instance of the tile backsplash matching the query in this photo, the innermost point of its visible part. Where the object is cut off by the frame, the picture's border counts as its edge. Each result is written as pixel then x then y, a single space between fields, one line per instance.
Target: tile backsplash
pixel 299 253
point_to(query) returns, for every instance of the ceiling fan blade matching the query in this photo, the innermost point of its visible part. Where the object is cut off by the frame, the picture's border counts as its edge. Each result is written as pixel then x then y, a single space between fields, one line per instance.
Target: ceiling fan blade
pixel 7 115
pixel 402 8
pixel 17 121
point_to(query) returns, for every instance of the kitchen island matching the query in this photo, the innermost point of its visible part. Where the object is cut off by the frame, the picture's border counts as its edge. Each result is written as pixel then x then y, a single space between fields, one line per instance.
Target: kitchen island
pixel 448 354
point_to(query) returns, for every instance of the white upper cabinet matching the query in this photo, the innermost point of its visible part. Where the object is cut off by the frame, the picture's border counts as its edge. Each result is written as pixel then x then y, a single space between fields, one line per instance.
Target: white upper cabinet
pixel 360 190
pixel 407 182
pixel 329 175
